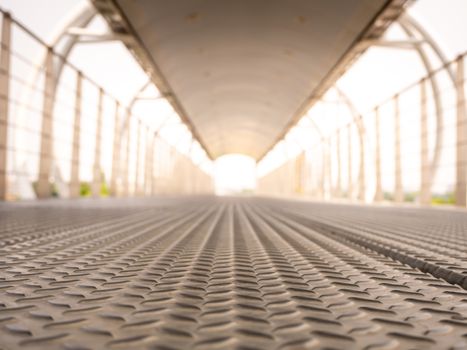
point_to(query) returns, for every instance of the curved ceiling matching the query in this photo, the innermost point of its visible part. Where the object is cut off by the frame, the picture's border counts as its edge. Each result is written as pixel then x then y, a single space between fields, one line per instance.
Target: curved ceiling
pixel 240 71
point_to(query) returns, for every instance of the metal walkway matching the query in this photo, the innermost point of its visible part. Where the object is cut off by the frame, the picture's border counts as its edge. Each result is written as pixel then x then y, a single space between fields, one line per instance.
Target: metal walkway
pixel 213 273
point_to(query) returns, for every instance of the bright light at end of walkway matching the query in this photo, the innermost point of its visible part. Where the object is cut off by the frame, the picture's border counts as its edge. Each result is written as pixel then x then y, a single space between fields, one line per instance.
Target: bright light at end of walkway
pixel 234 174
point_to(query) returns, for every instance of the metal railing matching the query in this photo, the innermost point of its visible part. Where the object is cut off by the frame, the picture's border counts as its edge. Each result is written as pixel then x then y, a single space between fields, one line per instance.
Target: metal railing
pixel 63 134
pixel 413 149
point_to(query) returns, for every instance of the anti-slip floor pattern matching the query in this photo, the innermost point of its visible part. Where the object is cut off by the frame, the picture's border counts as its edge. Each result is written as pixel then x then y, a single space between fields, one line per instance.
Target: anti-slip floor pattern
pixel 225 273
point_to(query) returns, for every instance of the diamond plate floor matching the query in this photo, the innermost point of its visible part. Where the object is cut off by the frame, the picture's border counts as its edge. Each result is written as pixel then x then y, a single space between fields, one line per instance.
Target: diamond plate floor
pixel 223 273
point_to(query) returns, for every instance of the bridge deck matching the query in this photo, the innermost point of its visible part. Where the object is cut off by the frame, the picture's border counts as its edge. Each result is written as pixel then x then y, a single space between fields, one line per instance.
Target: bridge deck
pixel 204 273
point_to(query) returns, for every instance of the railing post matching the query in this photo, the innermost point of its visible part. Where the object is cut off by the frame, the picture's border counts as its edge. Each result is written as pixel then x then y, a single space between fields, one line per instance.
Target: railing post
pixel 126 164
pixel 115 152
pixel 46 145
pixel 299 176
pixel 97 176
pixel 147 163
pixel 349 160
pixel 379 188
pixel 323 170
pixel 4 101
pixel 75 162
pixel 361 170
pixel 311 176
pixel 425 171
pixel 339 164
pixel 138 159
pixel 398 190
pixel 328 193
pixel 461 144
pixel 329 170
pixel 153 163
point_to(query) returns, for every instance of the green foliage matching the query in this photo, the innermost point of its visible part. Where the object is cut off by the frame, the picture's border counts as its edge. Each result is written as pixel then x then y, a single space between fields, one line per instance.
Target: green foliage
pixel 53 190
pixel 410 196
pixel 84 189
pixel 445 198
pixel 105 191
pixel 437 199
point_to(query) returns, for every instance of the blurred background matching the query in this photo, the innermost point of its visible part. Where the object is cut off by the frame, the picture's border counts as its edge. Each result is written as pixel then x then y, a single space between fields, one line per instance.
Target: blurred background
pixel 385 131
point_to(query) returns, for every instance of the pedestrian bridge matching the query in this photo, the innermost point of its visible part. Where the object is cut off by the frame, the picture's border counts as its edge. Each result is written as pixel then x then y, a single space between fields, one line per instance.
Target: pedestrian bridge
pixel 337 129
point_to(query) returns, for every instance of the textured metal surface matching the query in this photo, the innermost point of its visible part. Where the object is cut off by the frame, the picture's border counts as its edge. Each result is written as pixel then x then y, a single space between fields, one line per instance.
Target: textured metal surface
pixel 208 273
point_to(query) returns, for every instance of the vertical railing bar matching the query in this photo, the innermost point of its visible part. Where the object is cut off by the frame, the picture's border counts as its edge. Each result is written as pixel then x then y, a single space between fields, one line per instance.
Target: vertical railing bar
pixel 398 188
pixel 46 145
pixel 5 57
pixel 349 162
pixel 115 151
pixel 461 144
pixel 425 180
pixel 76 142
pixel 97 175
pixel 138 159
pixel 379 189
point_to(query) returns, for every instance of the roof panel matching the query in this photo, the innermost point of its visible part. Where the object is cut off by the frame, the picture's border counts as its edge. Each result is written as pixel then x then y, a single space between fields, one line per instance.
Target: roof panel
pixel 246 62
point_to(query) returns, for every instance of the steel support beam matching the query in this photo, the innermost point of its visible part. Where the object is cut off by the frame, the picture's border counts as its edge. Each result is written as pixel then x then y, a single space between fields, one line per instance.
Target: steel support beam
pixel 153 164
pixel 407 44
pixel 398 188
pixel 461 144
pixel 46 145
pixel 97 173
pixel 126 164
pixel 338 191
pixel 411 27
pixel 116 152
pixel 5 56
pixel 357 119
pixel 349 162
pixel 328 169
pixel 137 190
pixel 75 159
pixel 361 171
pixel 379 187
pixel 147 162
pixel 299 176
pixel 425 170
pixel 322 179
